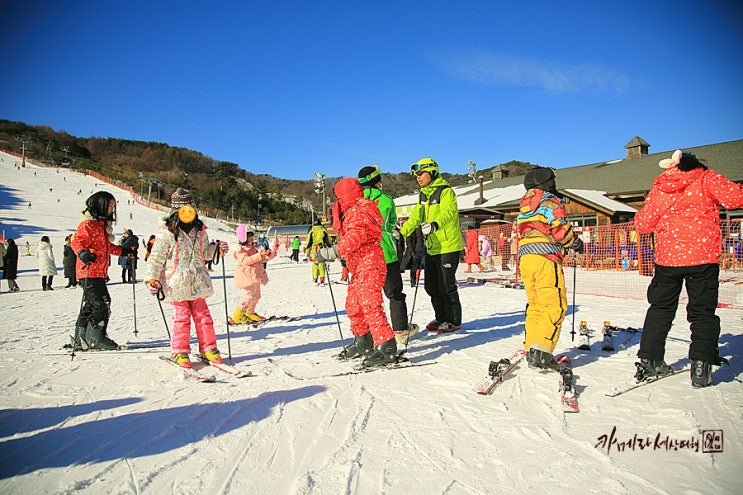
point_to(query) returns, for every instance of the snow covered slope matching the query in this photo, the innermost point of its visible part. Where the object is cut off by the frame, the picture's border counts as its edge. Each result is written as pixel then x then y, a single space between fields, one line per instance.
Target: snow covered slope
pixel 124 422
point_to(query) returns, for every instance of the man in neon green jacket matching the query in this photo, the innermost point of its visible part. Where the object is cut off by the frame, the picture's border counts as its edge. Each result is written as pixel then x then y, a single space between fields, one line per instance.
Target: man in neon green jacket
pixel 370 179
pixel 438 216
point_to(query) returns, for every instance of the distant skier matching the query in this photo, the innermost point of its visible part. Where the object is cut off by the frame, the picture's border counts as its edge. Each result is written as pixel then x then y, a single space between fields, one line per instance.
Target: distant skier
pixel 10 265
pixel 317 238
pixel 69 261
pixel 47 265
pixel 296 244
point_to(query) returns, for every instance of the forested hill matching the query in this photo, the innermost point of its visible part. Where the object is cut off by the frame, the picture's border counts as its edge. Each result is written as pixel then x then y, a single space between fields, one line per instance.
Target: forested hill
pixel 218 185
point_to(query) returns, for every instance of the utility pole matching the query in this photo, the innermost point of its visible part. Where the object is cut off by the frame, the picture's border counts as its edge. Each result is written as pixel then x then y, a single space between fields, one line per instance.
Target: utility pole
pixel 472 171
pixel 320 189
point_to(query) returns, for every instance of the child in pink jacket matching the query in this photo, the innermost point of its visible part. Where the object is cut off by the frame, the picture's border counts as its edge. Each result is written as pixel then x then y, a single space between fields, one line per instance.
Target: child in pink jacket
pixel 250 274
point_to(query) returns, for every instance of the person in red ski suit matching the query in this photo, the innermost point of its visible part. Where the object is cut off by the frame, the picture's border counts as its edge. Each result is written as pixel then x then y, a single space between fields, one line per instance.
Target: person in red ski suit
pixel 683 209
pixel 93 244
pixel 359 224
pixel 471 250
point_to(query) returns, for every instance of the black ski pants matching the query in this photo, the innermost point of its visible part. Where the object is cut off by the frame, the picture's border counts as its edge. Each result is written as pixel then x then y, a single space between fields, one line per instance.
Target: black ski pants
pixel 96 306
pixel 663 295
pixel 441 286
pixel 393 291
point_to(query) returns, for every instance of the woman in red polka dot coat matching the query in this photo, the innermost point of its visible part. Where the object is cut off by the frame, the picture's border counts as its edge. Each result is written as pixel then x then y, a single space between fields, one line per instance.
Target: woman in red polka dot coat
pixel 683 209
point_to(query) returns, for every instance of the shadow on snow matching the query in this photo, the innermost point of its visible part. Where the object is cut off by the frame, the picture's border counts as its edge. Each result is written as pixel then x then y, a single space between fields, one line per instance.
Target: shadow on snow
pixel 130 435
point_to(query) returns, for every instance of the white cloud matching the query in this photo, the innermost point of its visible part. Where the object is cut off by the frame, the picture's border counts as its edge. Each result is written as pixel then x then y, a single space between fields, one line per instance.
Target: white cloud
pixel 502 70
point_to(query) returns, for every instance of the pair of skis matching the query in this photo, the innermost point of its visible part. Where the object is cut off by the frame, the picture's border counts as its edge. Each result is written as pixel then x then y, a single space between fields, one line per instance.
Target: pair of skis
pixel 608 332
pixel 200 376
pixel 499 370
pixel 401 362
pixel 265 320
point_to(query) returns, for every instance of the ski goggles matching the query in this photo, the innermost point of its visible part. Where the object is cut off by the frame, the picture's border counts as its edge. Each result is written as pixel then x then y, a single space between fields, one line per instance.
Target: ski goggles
pixel 375 173
pixel 424 165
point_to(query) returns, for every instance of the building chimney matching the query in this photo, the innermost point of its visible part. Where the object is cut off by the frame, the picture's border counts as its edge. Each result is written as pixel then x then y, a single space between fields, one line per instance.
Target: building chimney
pixel 481 199
pixel 500 172
pixel 636 148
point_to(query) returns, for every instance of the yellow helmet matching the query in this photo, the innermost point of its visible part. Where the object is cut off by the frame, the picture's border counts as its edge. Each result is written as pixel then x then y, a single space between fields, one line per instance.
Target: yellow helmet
pixel 425 165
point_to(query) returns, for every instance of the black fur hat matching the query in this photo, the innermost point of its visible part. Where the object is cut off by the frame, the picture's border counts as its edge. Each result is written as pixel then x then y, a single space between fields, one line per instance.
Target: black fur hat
pixel 540 178
pixel 97 206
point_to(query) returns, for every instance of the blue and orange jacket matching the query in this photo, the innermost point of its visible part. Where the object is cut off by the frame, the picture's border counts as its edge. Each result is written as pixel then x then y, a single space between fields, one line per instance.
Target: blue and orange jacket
pixel 543 227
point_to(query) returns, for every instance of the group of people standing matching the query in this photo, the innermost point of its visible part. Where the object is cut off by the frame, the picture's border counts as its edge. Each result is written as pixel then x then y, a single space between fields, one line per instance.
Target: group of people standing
pixel 682 209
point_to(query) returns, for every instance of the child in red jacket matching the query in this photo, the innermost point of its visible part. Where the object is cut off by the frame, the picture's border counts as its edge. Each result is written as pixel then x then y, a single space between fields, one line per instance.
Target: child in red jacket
pixel 359 223
pixel 93 243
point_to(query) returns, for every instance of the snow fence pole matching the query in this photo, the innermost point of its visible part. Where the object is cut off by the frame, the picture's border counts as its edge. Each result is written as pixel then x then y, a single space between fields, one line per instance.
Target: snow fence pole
pixel 217 254
pixel 575 270
pixel 133 276
pixel 335 308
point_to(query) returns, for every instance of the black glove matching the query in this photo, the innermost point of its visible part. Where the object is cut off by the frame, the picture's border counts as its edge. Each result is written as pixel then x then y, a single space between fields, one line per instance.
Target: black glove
pixel 577 245
pixel 86 257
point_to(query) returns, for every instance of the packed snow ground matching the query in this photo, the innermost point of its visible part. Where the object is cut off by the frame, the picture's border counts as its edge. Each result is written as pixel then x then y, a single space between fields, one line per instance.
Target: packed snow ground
pixel 124 422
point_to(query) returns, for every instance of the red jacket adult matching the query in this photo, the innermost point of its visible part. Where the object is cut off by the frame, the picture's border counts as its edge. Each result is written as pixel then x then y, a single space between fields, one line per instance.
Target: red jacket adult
pixel 472 253
pixel 95 236
pixel 683 208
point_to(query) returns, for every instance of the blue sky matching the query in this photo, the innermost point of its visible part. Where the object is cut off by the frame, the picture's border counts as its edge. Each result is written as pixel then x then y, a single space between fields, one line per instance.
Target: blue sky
pixel 291 88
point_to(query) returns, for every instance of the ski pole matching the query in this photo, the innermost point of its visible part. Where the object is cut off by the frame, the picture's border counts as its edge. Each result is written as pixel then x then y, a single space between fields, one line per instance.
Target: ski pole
pixel 82 303
pixel 575 270
pixel 161 297
pixel 412 307
pixel 335 308
pixel 217 255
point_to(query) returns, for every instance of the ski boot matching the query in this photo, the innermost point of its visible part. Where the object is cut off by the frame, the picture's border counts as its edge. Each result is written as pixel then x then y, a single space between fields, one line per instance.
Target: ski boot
pixel 447 327
pixel 362 346
pixel 701 373
pixel 648 370
pixel 182 360
pixel 76 341
pixel 497 368
pixel 433 325
pixel 97 340
pixel 383 355
pixel 213 356
pixel 541 359
pixel 403 336
pixel 583 331
pixel 239 317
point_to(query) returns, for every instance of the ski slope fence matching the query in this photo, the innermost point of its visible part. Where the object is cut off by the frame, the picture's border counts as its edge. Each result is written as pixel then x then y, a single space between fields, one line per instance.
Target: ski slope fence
pixel 618 261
